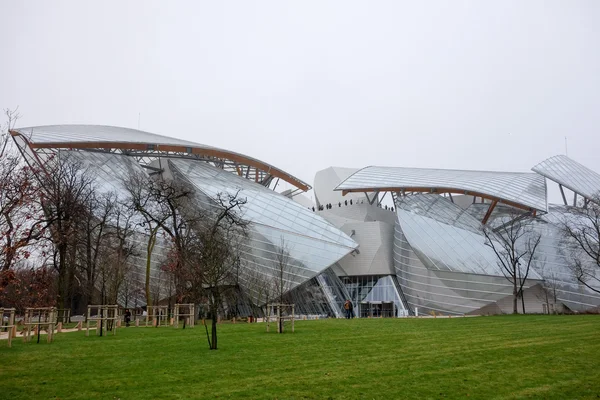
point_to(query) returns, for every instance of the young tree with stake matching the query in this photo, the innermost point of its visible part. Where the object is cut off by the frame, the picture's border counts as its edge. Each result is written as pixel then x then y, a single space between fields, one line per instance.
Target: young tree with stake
pixel 514 243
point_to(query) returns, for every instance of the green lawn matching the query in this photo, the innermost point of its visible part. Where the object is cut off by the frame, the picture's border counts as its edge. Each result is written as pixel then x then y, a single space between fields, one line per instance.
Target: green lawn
pixel 505 357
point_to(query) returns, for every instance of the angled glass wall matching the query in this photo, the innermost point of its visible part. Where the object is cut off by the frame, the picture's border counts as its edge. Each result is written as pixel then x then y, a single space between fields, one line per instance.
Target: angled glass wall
pixel 109 173
pixel 441 260
pixel 554 262
pixel 322 296
pixel 445 236
pixel 312 243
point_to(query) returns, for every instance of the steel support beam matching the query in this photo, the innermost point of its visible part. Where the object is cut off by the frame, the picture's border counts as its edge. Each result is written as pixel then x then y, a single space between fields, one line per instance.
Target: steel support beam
pixel 562 192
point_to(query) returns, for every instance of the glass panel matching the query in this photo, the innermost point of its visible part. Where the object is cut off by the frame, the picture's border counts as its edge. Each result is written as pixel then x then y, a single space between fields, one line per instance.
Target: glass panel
pixel 528 189
pixel 313 244
pixel 572 175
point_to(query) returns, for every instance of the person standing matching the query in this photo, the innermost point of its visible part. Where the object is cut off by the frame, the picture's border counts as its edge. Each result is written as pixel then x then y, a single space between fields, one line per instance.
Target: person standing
pixel 348 309
pixel 127 317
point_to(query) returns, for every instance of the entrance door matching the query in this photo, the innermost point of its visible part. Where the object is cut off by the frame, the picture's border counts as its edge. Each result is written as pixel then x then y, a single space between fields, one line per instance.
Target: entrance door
pixel 387 310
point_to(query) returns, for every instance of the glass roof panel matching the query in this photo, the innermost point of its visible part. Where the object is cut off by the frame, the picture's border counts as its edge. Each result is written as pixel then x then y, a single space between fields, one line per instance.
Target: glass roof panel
pixel 100 136
pixel 264 205
pixel 570 174
pixel 527 189
pixel 97 133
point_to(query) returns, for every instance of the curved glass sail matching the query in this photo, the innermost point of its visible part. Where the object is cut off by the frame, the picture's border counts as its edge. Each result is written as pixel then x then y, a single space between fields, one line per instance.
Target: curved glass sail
pixel 524 189
pixel 313 243
pixel 445 236
pixel 145 145
pixel 570 174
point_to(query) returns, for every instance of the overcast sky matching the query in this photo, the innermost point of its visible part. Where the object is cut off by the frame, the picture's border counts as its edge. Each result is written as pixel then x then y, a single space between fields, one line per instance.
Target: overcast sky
pixel 311 84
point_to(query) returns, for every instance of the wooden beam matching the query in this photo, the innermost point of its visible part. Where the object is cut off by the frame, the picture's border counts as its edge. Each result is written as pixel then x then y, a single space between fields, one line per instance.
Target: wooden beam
pixel 489 212
pixel 437 191
pixel 206 152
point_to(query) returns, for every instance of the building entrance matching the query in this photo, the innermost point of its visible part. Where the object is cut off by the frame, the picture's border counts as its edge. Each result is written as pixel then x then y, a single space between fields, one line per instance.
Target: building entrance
pixel 377 309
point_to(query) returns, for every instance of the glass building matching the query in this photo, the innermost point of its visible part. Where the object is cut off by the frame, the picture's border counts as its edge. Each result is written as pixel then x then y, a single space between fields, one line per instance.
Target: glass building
pixel 276 222
pixel 394 241
pixel 442 260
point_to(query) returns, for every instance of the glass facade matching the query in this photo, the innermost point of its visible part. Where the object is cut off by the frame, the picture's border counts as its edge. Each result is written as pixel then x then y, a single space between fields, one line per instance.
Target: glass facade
pixel 445 236
pixel 554 262
pixel 443 265
pixel 275 220
pixel 321 296
pixel 434 249
pixel 442 291
pixel 441 259
pixel 375 296
pixel 109 172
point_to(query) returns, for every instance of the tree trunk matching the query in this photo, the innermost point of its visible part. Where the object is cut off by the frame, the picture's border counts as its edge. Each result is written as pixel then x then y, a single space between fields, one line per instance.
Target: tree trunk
pixel 515 298
pixel 89 295
pixel 214 331
pixel 150 247
pixel 214 309
pixel 62 277
pixel 59 292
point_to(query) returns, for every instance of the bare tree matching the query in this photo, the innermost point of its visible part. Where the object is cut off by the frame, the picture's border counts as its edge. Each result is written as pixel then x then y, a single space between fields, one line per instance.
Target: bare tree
pixel 21 218
pixel 121 248
pixel 93 238
pixel 581 227
pixel 131 288
pixel 67 187
pixel 284 271
pixel 282 281
pixel 161 203
pixel 11 117
pixel 548 292
pixel 514 243
pixel 212 256
pixel 260 287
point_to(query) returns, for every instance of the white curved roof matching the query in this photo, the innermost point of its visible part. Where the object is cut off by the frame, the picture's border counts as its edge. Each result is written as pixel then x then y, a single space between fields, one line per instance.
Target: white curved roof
pixel 97 133
pixel 570 174
pixel 112 137
pixel 523 190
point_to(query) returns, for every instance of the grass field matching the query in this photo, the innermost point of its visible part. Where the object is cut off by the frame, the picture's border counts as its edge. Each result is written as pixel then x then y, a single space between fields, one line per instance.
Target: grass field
pixel 506 357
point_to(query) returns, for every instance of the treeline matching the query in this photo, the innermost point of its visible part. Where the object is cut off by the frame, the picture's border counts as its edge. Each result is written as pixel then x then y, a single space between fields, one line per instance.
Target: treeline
pixel 69 238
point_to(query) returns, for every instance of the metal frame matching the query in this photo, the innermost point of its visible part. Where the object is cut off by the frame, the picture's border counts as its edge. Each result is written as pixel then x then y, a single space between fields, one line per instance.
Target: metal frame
pixel 407 191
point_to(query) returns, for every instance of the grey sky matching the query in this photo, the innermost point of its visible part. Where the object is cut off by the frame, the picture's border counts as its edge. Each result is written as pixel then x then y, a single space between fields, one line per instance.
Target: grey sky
pixel 307 85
